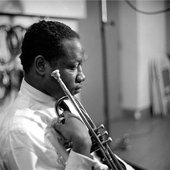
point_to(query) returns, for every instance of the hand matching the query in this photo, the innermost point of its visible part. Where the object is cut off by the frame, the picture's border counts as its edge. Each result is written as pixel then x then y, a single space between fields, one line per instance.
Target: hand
pixel 74 131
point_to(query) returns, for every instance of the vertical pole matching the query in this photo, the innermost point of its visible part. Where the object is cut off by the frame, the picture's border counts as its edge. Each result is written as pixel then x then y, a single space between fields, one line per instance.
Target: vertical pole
pixel 103 20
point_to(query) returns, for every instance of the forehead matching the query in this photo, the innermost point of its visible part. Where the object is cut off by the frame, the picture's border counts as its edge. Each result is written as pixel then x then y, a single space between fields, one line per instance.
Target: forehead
pixel 72 43
pixel 74 49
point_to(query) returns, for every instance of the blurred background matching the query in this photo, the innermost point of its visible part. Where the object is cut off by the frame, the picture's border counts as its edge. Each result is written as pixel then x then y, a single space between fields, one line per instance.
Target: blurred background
pixel 127 84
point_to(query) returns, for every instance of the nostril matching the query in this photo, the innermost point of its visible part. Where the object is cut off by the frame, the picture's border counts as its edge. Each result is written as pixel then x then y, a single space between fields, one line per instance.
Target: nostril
pixel 80 77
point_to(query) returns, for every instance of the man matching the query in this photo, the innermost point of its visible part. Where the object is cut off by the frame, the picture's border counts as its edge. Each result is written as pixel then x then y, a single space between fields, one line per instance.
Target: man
pixel 32 139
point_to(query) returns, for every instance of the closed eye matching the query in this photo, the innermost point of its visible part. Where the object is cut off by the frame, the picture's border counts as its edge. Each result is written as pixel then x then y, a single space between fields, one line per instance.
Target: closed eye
pixel 73 66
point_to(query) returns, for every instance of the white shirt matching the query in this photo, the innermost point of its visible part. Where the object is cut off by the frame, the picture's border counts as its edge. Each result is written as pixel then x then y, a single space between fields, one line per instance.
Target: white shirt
pixel 28 143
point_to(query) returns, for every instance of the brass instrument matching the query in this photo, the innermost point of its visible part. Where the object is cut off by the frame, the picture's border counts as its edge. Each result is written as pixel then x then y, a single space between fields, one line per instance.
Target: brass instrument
pixel 107 154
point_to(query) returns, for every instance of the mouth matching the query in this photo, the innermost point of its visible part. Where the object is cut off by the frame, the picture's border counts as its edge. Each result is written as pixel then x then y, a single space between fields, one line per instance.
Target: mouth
pixel 78 89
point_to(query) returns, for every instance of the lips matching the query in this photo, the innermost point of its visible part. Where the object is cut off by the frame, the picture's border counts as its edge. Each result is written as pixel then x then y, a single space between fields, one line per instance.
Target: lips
pixel 78 88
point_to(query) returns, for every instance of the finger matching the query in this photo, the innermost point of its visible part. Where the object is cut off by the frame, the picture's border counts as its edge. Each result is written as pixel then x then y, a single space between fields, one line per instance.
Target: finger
pixel 72 128
pixel 57 130
pixel 55 122
pixel 57 125
pixel 63 117
pixel 69 115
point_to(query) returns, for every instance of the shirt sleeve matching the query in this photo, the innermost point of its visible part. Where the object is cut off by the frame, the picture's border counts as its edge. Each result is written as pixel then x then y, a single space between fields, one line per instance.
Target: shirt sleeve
pixel 30 154
pixel 27 159
pixel 75 161
pixel 128 167
pixel 22 151
pixel 80 162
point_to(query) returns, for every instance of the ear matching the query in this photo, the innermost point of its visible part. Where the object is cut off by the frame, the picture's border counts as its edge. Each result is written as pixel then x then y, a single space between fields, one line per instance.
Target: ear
pixel 40 64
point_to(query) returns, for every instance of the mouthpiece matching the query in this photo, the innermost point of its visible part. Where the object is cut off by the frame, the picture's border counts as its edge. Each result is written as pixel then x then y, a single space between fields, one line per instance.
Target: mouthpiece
pixel 56 74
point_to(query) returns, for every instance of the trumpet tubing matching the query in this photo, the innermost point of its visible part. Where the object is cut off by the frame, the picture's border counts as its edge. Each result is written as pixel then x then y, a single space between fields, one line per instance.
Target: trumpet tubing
pixel 98 142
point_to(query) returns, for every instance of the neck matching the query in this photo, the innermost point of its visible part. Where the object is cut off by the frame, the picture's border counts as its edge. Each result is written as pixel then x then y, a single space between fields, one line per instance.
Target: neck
pixel 33 81
pixel 37 83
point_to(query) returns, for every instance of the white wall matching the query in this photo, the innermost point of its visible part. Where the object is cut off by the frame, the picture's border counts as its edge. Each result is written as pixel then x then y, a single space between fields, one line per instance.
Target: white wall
pixel 59 8
pixel 128 55
pixel 151 44
pixel 93 91
pixel 142 38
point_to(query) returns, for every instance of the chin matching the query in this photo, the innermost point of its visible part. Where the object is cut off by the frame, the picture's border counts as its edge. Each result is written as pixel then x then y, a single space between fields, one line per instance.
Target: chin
pixel 75 92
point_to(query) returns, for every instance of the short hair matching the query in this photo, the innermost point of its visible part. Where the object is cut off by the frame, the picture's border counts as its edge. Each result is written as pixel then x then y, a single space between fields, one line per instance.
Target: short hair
pixel 45 38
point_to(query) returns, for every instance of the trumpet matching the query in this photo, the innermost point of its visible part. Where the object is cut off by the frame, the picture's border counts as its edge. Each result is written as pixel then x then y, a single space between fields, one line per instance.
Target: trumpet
pixel 107 156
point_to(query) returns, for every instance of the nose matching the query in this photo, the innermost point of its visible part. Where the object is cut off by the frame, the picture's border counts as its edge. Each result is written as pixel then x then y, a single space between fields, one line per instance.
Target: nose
pixel 80 76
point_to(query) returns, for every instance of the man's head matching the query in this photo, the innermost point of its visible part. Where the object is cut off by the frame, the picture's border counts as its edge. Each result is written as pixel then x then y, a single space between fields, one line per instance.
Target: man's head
pixel 47 46
pixel 45 38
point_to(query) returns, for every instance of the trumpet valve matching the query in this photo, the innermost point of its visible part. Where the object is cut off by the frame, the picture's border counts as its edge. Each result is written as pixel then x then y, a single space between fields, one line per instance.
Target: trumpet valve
pixel 107 141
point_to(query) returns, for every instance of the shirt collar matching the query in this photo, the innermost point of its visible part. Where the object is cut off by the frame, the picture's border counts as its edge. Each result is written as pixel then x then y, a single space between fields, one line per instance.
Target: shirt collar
pixel 37 95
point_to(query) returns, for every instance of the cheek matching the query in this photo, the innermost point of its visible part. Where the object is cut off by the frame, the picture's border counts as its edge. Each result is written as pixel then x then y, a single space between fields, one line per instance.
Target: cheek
pixel 69 80
pixel 51 84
